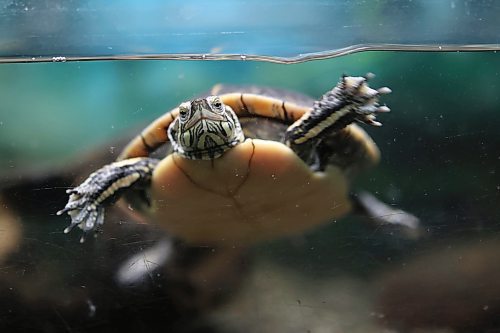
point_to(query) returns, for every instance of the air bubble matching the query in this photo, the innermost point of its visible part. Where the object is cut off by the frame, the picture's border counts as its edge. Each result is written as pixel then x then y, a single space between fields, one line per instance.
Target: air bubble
pixel 59 59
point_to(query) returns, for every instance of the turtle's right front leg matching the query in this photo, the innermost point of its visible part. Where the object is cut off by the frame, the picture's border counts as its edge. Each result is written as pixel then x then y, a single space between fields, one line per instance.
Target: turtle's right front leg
pixel 87 201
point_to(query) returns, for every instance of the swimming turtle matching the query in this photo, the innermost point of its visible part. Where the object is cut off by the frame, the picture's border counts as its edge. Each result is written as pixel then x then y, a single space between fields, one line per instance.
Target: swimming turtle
pixel 243 164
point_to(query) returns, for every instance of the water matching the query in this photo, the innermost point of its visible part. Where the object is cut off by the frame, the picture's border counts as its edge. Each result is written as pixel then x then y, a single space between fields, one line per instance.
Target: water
pixel 440 161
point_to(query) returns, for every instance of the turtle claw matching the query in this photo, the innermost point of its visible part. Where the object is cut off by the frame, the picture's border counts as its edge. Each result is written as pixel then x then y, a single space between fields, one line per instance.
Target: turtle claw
pixel 367 100
pixel 74 203
pixel 383 109
pixel 351 100
pixel 367 114
pixel 84 214
pixel 85 205
pixel 370 120
pixel 87 201
pixel 384 90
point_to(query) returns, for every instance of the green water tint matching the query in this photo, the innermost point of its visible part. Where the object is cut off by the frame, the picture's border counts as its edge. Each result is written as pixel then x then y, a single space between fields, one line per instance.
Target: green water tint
pixel 439 161
pixel 73 106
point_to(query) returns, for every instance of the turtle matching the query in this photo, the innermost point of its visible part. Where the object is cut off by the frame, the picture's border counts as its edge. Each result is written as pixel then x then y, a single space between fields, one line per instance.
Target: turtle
pixel 242 164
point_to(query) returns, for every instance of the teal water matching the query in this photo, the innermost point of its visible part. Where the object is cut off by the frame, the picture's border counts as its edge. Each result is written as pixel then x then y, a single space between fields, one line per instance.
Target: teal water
pixel 440 161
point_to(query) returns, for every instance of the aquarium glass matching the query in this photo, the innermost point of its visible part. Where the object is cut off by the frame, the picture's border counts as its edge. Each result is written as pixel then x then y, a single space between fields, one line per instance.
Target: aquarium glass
pixel 80 79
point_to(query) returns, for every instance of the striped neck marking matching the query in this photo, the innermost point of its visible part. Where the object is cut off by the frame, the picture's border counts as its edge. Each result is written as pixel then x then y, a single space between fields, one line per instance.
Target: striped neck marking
pixel 205 129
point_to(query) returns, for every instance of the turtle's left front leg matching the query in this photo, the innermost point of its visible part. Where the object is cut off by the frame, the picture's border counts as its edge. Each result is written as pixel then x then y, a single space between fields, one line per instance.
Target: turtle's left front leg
pixel 351 100
pixel 87 201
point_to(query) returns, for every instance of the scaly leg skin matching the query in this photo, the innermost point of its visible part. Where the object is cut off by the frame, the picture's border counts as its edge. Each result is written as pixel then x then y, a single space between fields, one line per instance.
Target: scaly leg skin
pixel 87 201
pixel 349 101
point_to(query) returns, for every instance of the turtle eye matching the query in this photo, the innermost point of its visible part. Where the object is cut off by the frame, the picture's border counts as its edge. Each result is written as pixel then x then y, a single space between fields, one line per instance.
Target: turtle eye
pixel 183 112
pixel 217 104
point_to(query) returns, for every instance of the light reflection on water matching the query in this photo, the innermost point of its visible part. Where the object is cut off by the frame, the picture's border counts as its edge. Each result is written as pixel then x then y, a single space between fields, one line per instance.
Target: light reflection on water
pixel 269 58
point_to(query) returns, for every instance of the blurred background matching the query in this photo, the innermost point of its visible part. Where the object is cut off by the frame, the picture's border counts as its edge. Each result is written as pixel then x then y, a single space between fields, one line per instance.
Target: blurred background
pixel 440 161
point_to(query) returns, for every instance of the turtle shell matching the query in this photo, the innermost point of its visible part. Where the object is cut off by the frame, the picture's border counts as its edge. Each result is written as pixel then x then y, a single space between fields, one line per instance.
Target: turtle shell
pixel 258 190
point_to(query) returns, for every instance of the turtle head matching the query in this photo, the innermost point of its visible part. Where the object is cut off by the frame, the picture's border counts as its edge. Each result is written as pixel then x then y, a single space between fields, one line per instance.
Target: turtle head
pixel 205 129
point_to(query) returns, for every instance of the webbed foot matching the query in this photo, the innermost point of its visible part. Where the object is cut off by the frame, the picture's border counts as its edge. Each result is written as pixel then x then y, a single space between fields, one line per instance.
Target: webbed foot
pixel 87 201
pixel 364 99
pixel 349 101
